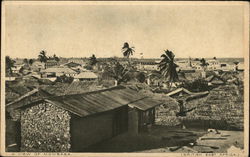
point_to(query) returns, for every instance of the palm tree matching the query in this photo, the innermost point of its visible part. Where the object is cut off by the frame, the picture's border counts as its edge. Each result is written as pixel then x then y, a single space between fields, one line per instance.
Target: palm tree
pixel 25 61
pixel 127 51
pixel 31 61
pixel 204 64
pixel 56 58
pixel 42 56
pixel 92 60
pixel 168 67
pixel 9 65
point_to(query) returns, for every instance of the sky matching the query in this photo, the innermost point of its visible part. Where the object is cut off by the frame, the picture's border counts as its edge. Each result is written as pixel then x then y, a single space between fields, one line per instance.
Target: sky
pixel 82 30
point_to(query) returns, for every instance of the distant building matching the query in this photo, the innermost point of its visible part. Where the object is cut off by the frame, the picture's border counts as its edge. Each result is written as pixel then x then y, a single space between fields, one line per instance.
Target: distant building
pixel 79 61
pixel 37 66
pixel 226 67
pixel 51 63
pixel 58 71
pixel 72 64
pixel 213 64
pixel 85 76
pixel 240 66
pixel 144 64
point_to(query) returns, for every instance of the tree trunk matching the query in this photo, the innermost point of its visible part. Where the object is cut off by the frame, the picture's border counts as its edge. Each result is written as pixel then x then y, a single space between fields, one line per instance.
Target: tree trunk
pixel 116 83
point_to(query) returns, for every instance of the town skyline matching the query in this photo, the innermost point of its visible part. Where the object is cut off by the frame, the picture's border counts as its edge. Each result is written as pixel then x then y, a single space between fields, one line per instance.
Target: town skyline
pixel 187 30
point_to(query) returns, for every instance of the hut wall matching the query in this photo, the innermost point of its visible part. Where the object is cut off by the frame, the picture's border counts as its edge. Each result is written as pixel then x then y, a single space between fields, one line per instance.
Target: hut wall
pixel 133 125
pixel 90 130
pixel 45 128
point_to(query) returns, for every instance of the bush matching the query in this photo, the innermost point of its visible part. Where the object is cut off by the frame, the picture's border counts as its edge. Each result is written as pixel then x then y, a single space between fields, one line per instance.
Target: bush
pixel 140 77
pixel 198 85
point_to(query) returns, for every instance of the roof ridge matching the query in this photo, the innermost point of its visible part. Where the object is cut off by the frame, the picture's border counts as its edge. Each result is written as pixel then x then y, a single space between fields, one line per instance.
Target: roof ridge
pixel 89 92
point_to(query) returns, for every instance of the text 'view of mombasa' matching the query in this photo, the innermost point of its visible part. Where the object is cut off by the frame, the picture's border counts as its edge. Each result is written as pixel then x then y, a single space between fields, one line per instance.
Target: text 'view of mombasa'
pixel 124 77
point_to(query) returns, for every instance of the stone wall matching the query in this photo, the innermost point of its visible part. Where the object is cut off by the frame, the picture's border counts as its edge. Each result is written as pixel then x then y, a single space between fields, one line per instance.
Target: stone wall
pixel 45 128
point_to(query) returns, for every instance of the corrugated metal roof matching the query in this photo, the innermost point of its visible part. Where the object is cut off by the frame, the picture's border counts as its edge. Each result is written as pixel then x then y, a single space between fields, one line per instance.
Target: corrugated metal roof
pixel 100 101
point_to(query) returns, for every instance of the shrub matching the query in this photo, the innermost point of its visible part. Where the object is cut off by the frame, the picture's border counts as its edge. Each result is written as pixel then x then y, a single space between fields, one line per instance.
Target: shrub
pixel 198 85
pixel 140 77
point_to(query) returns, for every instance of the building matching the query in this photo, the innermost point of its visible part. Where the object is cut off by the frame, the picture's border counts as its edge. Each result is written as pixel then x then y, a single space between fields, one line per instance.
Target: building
pixel 37 66
pixel 240 66
pixel 141 115
pixel 185 66
pixel 86 76
pixel 75 122
pixel 51 63
pixel 213 64
pixel 147 64
pixel 80 61
pixel 58 71
pixel 226 67
pixel 72 64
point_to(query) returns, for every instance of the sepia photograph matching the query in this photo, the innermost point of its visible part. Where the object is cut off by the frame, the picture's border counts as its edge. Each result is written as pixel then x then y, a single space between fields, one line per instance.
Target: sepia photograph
pixel 141 78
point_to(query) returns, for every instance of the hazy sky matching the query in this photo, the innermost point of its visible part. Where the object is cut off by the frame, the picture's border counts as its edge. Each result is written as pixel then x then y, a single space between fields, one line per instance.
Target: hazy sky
pixel 83 30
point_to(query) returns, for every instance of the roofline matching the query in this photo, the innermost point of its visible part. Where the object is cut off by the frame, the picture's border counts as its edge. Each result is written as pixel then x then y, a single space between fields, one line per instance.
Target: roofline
pixel 49 97
pixel 179 90
pixel 91 92
pixel 23 96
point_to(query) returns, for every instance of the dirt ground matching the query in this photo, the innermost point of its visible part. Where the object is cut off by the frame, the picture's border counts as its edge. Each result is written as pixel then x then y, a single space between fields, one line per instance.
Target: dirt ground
pixel 165 139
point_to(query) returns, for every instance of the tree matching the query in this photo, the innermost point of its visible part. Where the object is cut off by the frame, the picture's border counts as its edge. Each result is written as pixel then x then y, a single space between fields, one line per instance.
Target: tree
pixel 42 56
pixel 127 51
pixel 25 61
pixel 168 67
pixel 56 58
pixel 204 64
pixel 31 61
pixel 92 60
pixel 118 72
pixel 9 64
pixel 141 77
pixel 214 58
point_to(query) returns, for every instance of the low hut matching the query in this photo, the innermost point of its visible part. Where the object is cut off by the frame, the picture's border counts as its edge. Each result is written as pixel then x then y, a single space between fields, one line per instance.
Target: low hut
pixel 86 76
pixel 75 122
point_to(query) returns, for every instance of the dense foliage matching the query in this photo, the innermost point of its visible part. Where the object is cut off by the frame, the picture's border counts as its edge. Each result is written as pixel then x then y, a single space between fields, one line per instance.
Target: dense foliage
pixel 9 65
pixel 198 85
